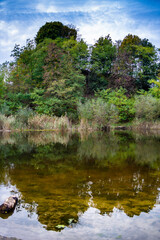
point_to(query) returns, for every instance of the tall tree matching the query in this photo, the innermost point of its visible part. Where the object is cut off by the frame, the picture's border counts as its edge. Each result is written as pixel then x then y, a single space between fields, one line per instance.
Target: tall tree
pixel 102 55
pixel 145 59
pixel 62 83
pixel 54 30
pixel 122 69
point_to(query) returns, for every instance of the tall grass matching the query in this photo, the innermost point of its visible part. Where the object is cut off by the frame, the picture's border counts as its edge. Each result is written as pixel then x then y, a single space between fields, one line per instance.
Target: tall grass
pixel 6 123
pixel 44 122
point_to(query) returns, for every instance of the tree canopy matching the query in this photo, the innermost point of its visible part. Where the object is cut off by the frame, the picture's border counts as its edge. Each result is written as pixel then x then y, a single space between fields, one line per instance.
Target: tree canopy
pixel 54 30
pixel 55 74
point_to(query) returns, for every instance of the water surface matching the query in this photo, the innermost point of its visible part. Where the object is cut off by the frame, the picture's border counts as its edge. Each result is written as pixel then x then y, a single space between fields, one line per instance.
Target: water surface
pixel 97 186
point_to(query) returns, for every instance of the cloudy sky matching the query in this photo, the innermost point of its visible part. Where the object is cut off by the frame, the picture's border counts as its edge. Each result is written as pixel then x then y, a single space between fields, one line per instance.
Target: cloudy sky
pixel 21 19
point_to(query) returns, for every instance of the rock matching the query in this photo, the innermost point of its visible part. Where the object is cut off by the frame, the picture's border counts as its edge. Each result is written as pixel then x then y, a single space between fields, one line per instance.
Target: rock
pixel 9 204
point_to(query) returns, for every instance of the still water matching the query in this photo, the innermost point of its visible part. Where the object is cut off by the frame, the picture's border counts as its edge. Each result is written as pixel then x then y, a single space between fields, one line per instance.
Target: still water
pixel 83 187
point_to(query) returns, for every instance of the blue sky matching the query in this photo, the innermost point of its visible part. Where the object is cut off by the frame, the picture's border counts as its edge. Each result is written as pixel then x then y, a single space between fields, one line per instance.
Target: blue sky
pixel 21 19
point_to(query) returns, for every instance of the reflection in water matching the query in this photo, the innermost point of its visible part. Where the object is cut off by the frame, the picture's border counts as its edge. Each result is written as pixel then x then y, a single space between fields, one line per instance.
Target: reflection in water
pixel 63 179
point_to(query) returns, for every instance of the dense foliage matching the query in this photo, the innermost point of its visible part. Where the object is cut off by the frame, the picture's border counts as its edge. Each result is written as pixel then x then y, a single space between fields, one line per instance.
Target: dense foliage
pixel 54 30
pixel 58 75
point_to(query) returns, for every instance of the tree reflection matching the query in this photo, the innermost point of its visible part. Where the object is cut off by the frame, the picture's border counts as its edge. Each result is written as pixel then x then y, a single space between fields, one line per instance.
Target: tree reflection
pixel 59 178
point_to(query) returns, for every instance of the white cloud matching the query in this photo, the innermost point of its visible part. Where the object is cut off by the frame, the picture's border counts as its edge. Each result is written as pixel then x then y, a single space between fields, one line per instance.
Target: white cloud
pixel 45 8
pixel 11 34
pixel 118 23
pixel 93 19
pixel 87 7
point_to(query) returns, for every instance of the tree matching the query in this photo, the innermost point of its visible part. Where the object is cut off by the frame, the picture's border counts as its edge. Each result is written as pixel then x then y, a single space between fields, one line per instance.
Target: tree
pixel 54 30
pixel 129 42
pixel 63 85
pixel 3 74
pixel 144 57
pixel 122 70
pixel 102 55
pixel 79 52
pixel 21 69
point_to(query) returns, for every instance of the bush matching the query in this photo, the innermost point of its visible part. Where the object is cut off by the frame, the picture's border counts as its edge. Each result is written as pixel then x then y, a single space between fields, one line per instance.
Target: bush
pixel 15 101
pixel 124 104
pixel 4 109
pixel 23 115
pixel 155 90
pixel 98 113
pixel 147 107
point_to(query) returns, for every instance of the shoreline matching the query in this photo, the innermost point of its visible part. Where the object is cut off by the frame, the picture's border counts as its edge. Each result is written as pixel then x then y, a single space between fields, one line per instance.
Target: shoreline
pixel 149 126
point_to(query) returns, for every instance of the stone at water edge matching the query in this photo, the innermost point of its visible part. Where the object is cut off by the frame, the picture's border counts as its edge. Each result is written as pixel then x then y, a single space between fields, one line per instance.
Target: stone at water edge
pixel 9 204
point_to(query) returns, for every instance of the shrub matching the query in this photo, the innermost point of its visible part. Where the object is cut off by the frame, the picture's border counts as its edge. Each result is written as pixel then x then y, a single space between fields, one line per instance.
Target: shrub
pixel 124 104
pixel 98 113
pixel 155 90
pixel 23 115
pixel 147 107
pixel 4 109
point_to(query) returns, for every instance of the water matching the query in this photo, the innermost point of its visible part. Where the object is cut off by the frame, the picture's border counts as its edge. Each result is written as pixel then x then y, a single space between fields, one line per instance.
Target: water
pixel 97 186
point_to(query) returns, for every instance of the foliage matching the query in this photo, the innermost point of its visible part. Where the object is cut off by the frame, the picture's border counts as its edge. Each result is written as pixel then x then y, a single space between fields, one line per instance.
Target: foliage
pixel 79 52
pixel 61 80
pixel 23 115
pixel 3 74
pixel 97 112
pixel 53 76
pixel 124 104
pixel 122 72
pixel 145 59
pixel 147 107
pixel 155 90
pixel 45 105
pixel 102 55
pixel 54 30
pixel 14 102
pixel 129 42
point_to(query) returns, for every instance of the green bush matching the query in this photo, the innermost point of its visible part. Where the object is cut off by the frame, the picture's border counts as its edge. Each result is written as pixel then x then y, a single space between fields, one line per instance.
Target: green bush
pixel 124 104
pixel 147 107
pixel 23 115
pixel 13 102
pixel 155 90
pixel 98 113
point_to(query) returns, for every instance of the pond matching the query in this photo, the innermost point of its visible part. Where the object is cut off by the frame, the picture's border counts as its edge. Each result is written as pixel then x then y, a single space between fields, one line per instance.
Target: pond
pixel 81 186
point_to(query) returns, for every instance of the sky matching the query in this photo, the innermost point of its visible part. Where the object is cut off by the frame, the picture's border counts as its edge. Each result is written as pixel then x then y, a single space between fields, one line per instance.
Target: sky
pixel 21 19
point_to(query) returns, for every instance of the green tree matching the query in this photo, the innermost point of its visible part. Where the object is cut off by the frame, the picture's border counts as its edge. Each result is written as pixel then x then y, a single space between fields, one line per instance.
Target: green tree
pixel 3 73
pixel 122 71
pixel 102 55
pixel 54 30
pixel 63 84
pixel 79 52
pixel 21 69
pixel 144 57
